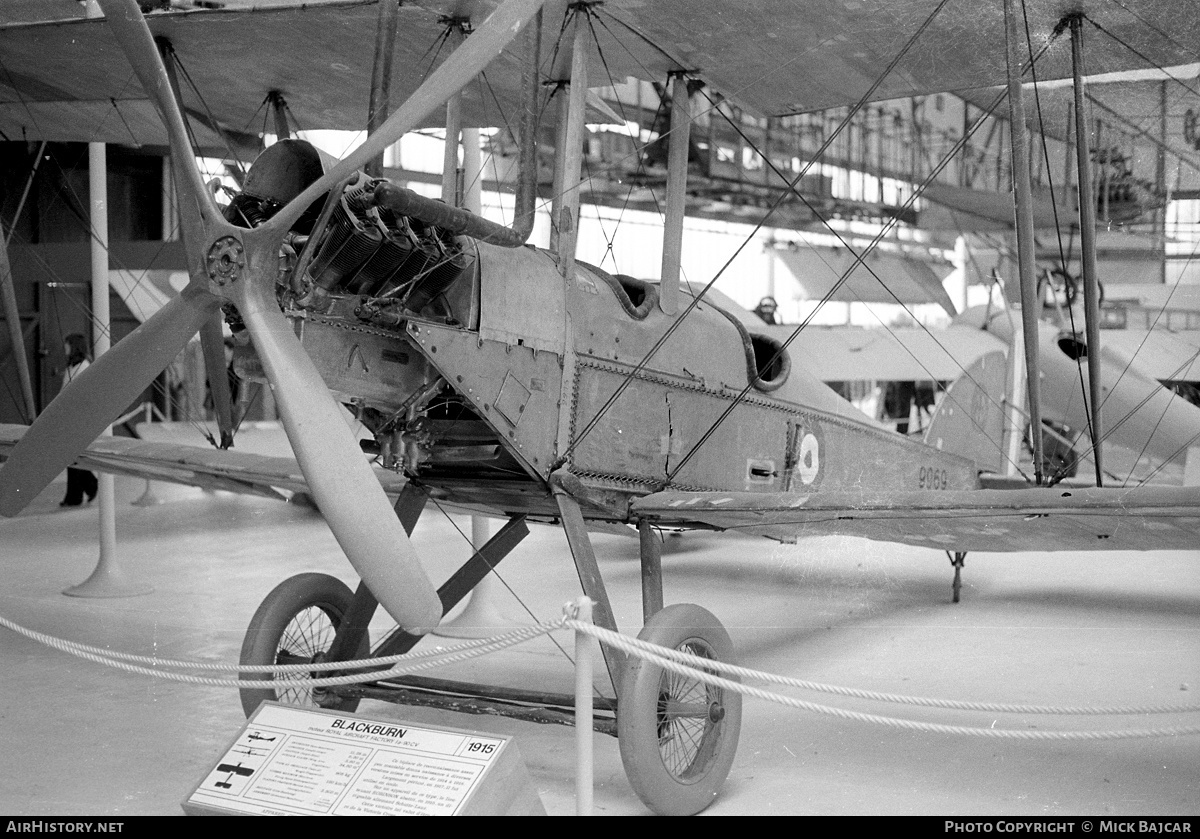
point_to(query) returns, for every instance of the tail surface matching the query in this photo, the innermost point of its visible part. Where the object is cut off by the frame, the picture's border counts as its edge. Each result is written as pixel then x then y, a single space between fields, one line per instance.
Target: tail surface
pixel 969 418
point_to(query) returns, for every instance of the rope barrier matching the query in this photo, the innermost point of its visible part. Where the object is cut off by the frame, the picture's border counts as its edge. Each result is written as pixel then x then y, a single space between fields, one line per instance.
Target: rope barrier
pixel 640 649
pixel 402 664
pixel 636 646
pixel 701 669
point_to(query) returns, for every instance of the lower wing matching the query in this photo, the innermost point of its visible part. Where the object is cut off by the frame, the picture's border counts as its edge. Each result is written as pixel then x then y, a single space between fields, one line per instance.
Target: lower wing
pixel 208 468
pixel 1031 519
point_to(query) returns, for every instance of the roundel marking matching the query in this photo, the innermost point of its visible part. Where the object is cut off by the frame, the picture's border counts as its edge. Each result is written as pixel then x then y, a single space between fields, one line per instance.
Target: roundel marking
pixel 808 465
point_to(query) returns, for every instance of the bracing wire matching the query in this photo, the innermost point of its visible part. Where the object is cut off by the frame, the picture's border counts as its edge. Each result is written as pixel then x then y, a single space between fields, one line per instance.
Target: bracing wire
pixel 632 374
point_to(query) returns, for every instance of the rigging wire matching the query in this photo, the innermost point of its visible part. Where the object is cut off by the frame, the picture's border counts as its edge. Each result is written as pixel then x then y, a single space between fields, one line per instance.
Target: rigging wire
pixel 630 376
pixel 214 123
pixel 634 140
pixel 858 260
pixel 861 258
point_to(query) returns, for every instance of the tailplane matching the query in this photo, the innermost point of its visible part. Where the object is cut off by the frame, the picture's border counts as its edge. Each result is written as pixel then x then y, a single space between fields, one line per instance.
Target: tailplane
pixel 969 418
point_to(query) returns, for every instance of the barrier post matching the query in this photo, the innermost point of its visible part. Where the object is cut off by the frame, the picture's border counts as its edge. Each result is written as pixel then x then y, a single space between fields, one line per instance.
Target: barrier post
pixel 584 734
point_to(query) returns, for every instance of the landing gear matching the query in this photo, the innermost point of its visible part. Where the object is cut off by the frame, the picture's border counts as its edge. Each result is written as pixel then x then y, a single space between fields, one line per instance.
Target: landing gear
pixel 678 735
pixel 296 624
pixel 958 560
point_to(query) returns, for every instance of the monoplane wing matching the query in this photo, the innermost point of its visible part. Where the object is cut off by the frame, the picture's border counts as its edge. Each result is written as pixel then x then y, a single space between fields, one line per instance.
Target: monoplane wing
pixel 1001 520
pixel 207 468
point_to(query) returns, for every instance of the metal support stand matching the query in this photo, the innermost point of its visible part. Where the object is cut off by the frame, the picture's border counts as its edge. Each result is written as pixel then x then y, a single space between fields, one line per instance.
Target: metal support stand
pixel 107 579
pixel 584 735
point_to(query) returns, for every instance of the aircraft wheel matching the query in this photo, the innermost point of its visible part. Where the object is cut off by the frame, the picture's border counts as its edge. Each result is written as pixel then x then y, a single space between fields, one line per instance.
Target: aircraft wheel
pixel 296 624
pixel 677 735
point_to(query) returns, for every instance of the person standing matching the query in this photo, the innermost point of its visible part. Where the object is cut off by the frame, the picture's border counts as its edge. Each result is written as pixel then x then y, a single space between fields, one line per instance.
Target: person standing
pixel 80 482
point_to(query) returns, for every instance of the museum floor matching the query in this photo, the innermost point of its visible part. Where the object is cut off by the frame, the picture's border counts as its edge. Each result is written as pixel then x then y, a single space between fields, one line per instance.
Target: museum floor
pixel 1062 630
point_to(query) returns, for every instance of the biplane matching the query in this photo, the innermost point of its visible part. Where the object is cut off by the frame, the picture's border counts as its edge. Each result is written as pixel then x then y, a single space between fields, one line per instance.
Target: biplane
pixel 520 382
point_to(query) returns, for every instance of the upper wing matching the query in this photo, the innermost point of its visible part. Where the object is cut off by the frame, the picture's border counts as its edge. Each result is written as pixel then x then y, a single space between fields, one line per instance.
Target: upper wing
pixel 1044 519
pixel 194 466
pixel 67 80
pixel 784 57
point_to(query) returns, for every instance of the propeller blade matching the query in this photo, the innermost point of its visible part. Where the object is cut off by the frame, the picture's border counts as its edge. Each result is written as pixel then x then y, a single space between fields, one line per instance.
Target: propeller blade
pixel 93 400
pixel 346 490
pixel 212 340
pixel 128 26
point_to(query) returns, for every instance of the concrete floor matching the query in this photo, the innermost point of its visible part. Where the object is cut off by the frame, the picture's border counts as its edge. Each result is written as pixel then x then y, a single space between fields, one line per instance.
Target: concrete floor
pixel 1102 629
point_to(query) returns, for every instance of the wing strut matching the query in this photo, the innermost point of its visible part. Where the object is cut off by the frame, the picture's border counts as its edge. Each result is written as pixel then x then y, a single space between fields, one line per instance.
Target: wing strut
pixel 1087 244
pixel 1023 195
pixel 379 108
pixel 677 162
pixel 565 215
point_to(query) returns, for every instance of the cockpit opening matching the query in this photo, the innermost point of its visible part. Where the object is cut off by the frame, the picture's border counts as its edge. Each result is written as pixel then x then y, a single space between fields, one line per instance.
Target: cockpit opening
pixel 771 362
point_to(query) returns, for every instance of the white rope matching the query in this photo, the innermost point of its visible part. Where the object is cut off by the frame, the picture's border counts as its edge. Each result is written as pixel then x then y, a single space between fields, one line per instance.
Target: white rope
pixel 403 664
pixel 673 660
pixel 517 636
pixel 651 653
pixel 954 704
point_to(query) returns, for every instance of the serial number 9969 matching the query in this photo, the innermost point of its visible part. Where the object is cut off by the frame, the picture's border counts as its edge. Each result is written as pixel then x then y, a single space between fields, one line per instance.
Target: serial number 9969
pixel 932 478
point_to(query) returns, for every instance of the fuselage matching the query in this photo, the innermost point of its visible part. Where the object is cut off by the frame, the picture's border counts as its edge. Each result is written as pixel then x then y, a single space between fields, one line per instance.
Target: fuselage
pixel 520 372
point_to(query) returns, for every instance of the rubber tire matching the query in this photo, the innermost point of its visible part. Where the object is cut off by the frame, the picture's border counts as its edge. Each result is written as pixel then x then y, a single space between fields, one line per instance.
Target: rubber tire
pixel 276 615
pixel 665 790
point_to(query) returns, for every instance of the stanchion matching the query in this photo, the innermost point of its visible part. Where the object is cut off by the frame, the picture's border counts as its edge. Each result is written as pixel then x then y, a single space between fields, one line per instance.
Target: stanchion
pixel 107 580
pixel 585 647
pixel 147 498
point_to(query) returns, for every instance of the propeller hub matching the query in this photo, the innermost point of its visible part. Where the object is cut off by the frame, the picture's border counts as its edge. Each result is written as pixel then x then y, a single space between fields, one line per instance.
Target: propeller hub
pixel 226 260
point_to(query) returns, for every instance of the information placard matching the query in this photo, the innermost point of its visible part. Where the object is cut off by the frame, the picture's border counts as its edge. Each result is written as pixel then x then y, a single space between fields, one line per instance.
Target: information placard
pixel 289 760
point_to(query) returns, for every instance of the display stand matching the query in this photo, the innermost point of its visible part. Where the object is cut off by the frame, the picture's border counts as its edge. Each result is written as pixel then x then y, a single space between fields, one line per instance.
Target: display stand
pixel 288 760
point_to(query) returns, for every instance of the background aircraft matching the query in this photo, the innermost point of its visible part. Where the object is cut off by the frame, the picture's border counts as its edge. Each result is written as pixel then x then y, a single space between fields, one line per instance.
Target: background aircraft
pixel 523 383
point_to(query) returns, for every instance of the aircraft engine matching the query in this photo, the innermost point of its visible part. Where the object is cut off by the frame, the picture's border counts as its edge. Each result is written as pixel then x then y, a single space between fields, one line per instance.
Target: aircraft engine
pixel 395 264
pixel 389 259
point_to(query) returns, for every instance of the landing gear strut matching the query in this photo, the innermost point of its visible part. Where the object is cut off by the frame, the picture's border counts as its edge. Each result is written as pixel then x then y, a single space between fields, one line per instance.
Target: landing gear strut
pixel 958 560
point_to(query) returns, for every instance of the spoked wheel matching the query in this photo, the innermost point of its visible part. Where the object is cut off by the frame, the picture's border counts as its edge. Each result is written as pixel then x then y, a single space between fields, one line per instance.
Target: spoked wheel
pixel 296 624
pixel 678 735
